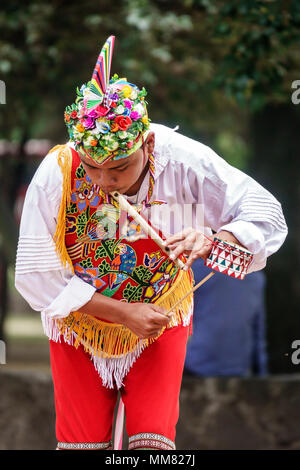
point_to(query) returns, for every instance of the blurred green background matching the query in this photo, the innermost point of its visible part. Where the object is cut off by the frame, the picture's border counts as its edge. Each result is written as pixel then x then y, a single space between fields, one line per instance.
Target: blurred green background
pixel 221 70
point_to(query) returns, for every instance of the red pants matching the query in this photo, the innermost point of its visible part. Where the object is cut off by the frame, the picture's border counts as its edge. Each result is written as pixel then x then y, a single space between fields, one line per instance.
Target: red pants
pixel 84 408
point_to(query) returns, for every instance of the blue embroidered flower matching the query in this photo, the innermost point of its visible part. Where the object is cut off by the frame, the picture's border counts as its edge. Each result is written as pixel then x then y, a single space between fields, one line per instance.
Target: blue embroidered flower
pixel 89 275
pixel 84 194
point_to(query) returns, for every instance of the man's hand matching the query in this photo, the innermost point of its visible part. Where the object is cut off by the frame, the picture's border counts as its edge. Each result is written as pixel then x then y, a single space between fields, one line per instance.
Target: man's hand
pixel 228 237
pixel 144 320
pixel 194 244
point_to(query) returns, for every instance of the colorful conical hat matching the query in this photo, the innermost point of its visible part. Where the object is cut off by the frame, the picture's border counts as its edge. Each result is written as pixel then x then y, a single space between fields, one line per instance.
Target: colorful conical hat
pixel 109 117
pixel 101 75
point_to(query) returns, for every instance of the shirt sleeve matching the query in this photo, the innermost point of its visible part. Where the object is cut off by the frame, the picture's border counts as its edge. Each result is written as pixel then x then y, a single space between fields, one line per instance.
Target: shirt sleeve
pixel 40 277
pixel 235 202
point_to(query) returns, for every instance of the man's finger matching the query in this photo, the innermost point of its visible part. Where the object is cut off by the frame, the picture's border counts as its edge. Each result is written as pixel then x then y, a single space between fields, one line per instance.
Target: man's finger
pixel 158 309
pixel 162 312
pixel 178 236
pixel 175 239
pixel 187 244
pixel 203 253
pixel 193 256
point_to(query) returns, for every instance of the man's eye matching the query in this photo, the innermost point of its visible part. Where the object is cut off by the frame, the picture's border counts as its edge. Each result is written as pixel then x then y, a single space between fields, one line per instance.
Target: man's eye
pixel 90 167
pixel 122 169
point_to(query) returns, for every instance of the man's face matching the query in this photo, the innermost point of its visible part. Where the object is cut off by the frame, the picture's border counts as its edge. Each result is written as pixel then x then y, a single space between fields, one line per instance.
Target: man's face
pixel 120 175
pixel 117 175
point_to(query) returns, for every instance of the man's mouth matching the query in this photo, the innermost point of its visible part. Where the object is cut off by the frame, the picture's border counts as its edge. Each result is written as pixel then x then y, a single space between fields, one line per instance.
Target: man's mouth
pixel 111 190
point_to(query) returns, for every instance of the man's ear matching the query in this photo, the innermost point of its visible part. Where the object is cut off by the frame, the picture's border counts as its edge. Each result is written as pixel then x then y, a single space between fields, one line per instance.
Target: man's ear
pixel 150 142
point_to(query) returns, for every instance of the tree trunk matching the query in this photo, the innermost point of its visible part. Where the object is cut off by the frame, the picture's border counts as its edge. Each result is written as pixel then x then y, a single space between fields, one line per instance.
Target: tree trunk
pixel 275 136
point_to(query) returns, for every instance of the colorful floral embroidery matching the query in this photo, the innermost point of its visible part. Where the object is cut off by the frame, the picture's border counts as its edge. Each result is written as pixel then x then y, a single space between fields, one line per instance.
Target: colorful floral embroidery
pixel 89 275
pixel 112 264
pixel 132 231
pixel 152 261
pixel 160 281
pixel 84 194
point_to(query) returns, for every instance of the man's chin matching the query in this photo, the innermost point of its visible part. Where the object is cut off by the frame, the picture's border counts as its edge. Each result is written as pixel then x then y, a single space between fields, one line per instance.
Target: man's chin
pixel 122 190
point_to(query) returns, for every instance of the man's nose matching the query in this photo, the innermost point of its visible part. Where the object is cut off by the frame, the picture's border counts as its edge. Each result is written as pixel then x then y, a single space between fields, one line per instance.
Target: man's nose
pixel 106 180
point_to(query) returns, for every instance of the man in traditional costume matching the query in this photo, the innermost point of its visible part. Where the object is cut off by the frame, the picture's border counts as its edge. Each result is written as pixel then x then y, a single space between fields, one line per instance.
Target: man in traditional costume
pixel 103 287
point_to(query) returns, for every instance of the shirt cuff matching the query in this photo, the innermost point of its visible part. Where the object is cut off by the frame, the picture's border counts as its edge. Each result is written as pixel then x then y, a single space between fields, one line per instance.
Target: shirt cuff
pixel 251 237
pixel 76 294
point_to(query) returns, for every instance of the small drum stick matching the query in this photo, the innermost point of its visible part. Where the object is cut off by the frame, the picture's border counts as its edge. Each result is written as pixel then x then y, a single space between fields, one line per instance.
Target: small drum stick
pixel 168 314
pixel 144 224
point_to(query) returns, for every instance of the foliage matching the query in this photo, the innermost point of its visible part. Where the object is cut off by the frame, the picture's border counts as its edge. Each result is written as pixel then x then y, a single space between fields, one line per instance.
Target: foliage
pixel 196 57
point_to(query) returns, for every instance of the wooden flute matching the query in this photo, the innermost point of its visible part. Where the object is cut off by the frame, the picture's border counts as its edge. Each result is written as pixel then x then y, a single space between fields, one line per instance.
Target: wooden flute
pixel 124 204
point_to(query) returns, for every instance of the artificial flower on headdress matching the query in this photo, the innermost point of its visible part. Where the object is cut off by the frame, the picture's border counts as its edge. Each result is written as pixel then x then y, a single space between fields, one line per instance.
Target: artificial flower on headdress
pixel 109 116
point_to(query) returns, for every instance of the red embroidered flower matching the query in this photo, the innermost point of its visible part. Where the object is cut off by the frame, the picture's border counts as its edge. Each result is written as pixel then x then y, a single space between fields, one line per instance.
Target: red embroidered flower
pixel 101 110
pixel 123 122
pixel 73 114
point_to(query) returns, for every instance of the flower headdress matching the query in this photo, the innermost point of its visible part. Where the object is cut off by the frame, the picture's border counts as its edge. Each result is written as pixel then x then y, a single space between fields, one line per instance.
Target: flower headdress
pixel 109 116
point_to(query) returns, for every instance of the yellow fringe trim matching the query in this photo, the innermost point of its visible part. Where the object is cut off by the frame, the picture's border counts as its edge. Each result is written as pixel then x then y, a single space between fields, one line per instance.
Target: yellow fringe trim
pixel 64 159
pixel 113 339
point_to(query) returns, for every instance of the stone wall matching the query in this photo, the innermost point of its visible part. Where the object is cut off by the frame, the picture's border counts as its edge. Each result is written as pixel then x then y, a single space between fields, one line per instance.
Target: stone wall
pixel 27 417
pixel 216 413
pixel 222 413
